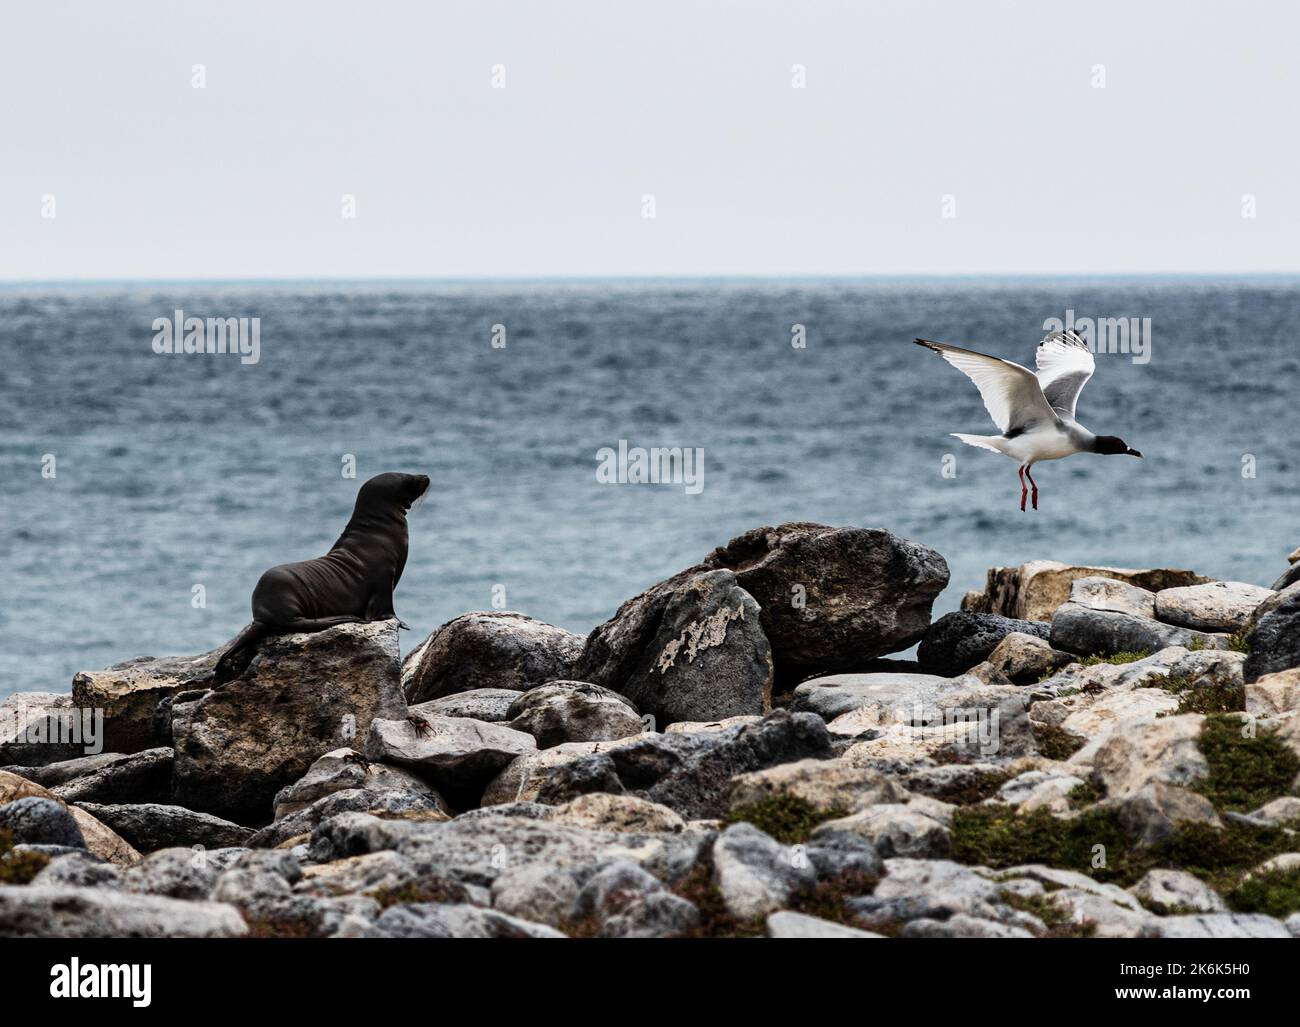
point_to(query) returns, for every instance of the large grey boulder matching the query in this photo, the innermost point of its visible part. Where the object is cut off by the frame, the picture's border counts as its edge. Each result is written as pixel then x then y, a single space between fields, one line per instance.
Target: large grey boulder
pixel 300 697
pixel 152 826
pixel 1216 925
pixel 450 920
pixel 129 694
pixel 1274 640
pixel 708 658
pixel 1087 631
pixel 402 802
pixel 343 769
pixel 61 912
pixel 958 641
pixel 830 600
pixel 496 649
pixel 883 696
pixel 1165 750
pixel 1214 606
pixel 1025 659
pixel 573 711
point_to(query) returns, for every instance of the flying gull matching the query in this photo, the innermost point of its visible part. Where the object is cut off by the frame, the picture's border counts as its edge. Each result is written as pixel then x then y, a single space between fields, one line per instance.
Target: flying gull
pixel 1034 412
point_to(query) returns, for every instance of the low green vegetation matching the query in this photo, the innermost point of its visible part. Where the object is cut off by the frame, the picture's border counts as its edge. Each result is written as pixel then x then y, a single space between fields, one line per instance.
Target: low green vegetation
pixel 1055 742
pixel 1247 769
pixel 18 867
pixel 1115 658
pixel 1274 892
pixel 1239 643
pixel 1096 843
pixel 974 787
pixel 1214 699
pixel 787 818
pixel 1058 922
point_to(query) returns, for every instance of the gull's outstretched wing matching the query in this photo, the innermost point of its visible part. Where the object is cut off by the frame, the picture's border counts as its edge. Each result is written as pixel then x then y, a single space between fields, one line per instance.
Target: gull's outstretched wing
pixel 1065 363
pixel 1011 393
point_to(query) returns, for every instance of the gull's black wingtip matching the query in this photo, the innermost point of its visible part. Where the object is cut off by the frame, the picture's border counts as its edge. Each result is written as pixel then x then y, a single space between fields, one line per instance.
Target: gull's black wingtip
pixel 924 342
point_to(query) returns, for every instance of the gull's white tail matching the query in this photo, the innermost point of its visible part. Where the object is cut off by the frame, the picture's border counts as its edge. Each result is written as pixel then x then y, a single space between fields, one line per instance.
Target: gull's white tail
pixel 989 442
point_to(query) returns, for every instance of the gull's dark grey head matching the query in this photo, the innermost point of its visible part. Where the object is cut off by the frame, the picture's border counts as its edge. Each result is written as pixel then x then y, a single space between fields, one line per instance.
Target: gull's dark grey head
pixel 1111 445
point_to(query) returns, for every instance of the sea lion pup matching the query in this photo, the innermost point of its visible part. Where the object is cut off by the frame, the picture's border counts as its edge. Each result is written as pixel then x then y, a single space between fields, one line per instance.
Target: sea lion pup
pixel 350 584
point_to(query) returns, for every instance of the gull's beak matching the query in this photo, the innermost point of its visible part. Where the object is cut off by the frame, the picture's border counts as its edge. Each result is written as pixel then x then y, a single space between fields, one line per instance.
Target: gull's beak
pixel 1132 452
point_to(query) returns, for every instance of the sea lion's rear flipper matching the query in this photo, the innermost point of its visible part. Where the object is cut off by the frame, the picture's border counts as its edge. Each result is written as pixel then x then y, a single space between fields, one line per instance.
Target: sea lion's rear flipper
pixel 233 660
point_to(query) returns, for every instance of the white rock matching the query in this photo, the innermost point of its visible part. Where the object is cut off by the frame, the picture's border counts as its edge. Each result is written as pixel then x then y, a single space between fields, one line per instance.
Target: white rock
pixel 1215 606
pixel 788 924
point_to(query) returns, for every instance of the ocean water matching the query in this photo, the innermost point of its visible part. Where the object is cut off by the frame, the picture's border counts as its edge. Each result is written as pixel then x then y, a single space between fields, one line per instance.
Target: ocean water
pixel 177 471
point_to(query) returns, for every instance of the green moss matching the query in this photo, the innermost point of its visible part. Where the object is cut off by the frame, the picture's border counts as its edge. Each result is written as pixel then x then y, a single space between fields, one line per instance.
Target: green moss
pixel 1274 892
pixel 1245 772
pixel 1214 699
pixel 1115 658
pixel 995 836
pixel 1058 922
pixel 1084 795
pixel 1197 643
pixel 787 818
pixel 19 867
pixel 974 787
pixel 1239 643
pixel 412 892
pixel 1054 742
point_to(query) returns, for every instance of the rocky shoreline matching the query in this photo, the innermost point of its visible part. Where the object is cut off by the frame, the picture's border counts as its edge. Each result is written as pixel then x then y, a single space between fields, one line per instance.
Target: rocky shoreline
pixel 1077 752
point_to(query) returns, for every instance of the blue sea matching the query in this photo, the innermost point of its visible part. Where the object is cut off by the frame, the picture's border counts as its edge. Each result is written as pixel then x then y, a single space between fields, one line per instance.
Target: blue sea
pixel 180 478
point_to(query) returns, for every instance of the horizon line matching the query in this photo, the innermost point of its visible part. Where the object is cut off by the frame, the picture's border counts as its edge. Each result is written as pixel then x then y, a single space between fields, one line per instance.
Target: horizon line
pixel 9 283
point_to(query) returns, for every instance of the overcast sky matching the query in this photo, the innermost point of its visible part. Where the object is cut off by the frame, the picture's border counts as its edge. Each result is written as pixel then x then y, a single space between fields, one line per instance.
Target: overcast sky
pixel 994 105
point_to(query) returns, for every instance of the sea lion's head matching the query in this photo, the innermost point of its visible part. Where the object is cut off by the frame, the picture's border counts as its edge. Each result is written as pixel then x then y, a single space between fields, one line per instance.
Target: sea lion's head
pixel 392 489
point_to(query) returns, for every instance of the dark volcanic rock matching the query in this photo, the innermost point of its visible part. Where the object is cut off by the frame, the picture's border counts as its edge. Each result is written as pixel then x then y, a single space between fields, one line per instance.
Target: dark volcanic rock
pixel 956 642
pixel 1275 640
pixel 496 649
pixel 37 821
pixel 152 826
pixel 831 599
pixel 144 776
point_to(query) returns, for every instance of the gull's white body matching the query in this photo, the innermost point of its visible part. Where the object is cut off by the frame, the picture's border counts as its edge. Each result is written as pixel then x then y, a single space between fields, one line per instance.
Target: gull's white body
pixel 1034 412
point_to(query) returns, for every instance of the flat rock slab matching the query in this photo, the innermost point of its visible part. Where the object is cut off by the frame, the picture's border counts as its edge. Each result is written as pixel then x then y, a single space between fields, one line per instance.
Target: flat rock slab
pixel 884 697
pixel 489 704
pixel 1215 606
pixel 1036 589
pixel 153 826
pixel 1081 629
pixel 34 911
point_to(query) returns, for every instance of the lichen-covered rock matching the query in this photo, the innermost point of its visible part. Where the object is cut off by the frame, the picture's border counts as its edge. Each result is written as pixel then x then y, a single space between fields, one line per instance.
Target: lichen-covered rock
pixel 958 641
pixel 573 711
pixel 830 599
pixel 394 803
pixel 179 873
pixel 495 649
pixel 78 870
pixel 1153 813
pixel 708 658
pixel 449 920
pixel 1034 590
pixel 129 694
pixel 601 811
pixel 1216 925
pixel 525 776
pixel 788 924
pixel 65 912
pixel 300 697
pixel 152 826
pixel 881 697
pixel 1214 606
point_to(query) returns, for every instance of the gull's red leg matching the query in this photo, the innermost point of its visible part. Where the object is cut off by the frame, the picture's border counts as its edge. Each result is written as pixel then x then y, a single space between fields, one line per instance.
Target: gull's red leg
pixel 1032 482
pixel 1023 490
